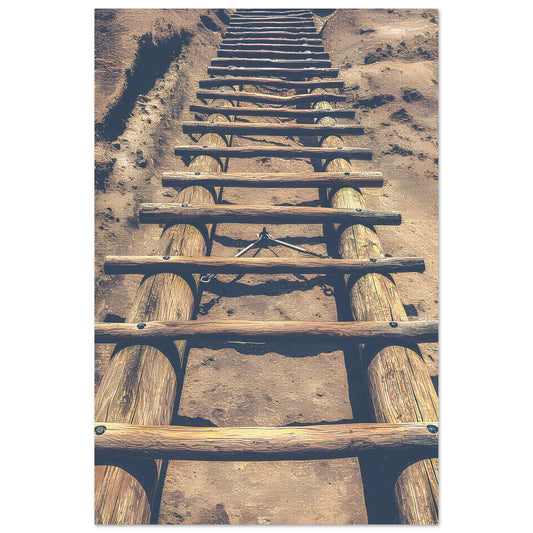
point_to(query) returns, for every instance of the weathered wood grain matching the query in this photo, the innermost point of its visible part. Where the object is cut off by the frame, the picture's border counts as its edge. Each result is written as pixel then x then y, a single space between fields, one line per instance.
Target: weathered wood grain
pixel 277 72
pixel 350 152
pixel 249 330
pixel 271 111
pixel 244 96
pixel 307 30
pixel 400 387
pixel 147 264
pixel 271 82
pixel 130 394
pixel 296 40
pixel 276 179
pixel 264 128
pixel 271 54
pixel 271 63
pixel 277 34
pixel 264 443
pixel 280 47
pixel 164 213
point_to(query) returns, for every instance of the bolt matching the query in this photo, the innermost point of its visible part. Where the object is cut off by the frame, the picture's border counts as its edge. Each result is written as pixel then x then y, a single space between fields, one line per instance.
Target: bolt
pixel 197 173
pixel 393 324
pixel 432 428
pixel 141 325
pixel 373 260
pixel 100 430
pixel 358 209
pixel 339 147
pixel 166 257
pixel 346 173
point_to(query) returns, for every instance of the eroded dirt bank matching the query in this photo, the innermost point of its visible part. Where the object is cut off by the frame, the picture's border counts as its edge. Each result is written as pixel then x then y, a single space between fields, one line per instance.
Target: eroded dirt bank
pixel 388 61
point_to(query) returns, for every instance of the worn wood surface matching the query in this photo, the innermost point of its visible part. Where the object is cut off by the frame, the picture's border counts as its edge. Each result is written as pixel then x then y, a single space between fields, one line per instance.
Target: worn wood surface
pixel 352 152
pixel 264 443
pixel 271 63
pixel 271 82
pixel 275 71
pixel 148 264
pixel 250 330
pixel 399 384
pixel 263 40
pixel 263 128
pixel 129 394
pixel 301 29
pixel 277 34
pixel 271 54
pixel 276 179
pixel 282 47
pixel 287 17
pixel 271 111
pixel 163 213
pixel 244 96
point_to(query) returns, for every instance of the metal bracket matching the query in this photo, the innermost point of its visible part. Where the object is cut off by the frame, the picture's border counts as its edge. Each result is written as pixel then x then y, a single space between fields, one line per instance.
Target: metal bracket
pixel 264 240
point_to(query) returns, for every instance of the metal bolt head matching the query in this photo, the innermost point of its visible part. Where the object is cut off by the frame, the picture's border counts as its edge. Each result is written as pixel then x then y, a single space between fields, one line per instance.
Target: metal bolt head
pixel 433 429
pixel 373 260
pixel 346 173
pixel 197 173
pixel 166 257
pixel 393 324
pixel 141 325
pixel 100 430
pixel 358 209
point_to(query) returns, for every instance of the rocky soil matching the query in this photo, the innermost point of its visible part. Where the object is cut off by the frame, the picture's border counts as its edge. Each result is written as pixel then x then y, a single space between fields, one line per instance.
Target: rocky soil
pixel 148 64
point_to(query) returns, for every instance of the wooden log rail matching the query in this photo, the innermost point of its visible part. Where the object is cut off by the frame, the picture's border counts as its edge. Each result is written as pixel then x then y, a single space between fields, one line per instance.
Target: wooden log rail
pixel 300 30
pixel 263 40
pixel 264 443
pixel 352 152
pixel 258 265
pixel 162 213
pixel 124 491
pixel 264 128
pixel 280 47
pixel 277 179
pixel 257 331
pixel 255 36
pixel 271 112
pixel 398 380
pixel 260 98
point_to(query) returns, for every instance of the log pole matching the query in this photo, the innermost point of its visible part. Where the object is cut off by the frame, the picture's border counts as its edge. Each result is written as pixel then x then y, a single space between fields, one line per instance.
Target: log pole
pixel 141 382
pixel 399 383
pixel 265 443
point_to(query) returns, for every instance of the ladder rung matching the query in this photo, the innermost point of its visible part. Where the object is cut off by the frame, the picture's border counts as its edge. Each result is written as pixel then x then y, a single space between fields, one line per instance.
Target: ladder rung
pixel 271 82
pixel 146 264
pixel 274 47
pixel 237 24
pixel 273 111
pixel 264 128
pixel 277 72
pixel 309 43
pixel 243 96
pixel 272 54
pixel 301 30
pixel 345 152
pixel 274 63
pixel 277 179
pixel 257 331
pixel 159 213
pixel 266 443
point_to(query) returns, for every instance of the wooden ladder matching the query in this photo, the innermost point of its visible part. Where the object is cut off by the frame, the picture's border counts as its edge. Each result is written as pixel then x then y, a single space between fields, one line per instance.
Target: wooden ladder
pixel 135 401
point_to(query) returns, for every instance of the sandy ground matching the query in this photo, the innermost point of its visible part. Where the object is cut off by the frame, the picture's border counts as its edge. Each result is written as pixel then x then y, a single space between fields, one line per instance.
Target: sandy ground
pixel 388 61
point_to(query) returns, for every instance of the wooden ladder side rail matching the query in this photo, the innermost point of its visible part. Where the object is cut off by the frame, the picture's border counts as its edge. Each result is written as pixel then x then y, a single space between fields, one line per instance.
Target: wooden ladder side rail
pixel 351 152
pixel 245 96
pixel 271 129
pixel 270 54
pixel 275 179
pixel 271 111
pixel 324 441
pixel 277 72
pixel 169 213
pixel 148 264
pixel 274 63
pixel 271 82
pixel 398 379
pixel 274 331
pixel 140 382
